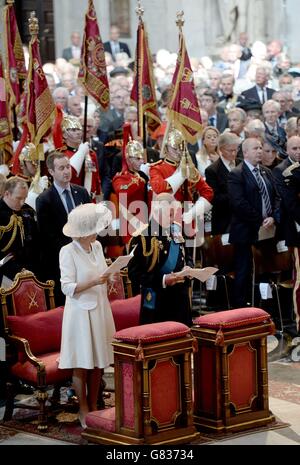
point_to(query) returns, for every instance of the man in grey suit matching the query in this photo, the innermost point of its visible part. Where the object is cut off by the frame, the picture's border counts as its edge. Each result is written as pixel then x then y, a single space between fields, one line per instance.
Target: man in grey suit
pixel 114 46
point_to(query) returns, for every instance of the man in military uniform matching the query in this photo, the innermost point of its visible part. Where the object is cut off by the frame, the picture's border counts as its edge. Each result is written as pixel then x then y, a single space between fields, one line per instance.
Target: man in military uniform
pixel 159 253
pixel 19 245
pixel 83 160
pixel 177 175
pixel 131 185
pixel 29 165
pixel 290 192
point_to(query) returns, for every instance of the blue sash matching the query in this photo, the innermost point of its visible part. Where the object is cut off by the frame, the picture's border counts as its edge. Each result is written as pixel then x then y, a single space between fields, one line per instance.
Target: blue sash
pixel 172 259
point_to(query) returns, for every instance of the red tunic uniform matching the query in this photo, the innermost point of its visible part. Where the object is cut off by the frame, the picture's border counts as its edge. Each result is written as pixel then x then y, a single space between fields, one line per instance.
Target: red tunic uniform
pixel 79 179
pixel 135 187
pixel 189 191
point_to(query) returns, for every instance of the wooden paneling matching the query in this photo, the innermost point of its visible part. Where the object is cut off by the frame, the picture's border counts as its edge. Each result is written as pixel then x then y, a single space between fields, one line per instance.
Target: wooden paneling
pixel 44 13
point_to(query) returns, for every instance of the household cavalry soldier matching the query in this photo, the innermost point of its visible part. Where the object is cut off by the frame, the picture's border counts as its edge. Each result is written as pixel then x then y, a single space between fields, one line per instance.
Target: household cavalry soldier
pixel 131 185
pixel 176 174
pixel 30 173
pixel 85 170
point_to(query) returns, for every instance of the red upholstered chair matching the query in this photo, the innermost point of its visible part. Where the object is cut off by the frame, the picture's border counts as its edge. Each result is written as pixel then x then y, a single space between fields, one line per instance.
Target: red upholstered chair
pixel 32 329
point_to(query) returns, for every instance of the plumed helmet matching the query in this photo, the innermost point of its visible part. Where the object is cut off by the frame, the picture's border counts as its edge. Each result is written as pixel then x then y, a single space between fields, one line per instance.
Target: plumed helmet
pixel 71 122
pixel 28 153
pixel 175 138
pixel 134 149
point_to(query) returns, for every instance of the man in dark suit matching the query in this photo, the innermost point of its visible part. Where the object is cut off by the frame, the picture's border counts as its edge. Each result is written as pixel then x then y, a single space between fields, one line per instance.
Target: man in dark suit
pixel 216 116
pixel 255 209
pixel 73 53
pixel 260 92
pixel 114 46
pixel 216 177
pixel 113 119
pixel 52 208
pixel 275 134
pixel 287 228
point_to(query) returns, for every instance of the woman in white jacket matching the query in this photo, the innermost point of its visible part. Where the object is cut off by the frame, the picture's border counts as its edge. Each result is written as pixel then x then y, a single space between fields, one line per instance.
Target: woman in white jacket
pixel 88 325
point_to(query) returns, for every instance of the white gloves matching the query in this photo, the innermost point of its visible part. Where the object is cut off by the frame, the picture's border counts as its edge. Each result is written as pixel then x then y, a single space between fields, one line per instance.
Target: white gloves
pixel 31 199
pixel 43 183
pixel 176 180
pixel 77 160
pixel 145 169
pixel 4 170
pixel 201 207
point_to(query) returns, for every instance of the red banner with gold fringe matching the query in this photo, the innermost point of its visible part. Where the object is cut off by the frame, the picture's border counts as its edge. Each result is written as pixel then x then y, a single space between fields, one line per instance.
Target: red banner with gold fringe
pixel 183 109
pixel 5 126
pixel 40 107
pixel 15 61
pixel 143 90
pixel 92 74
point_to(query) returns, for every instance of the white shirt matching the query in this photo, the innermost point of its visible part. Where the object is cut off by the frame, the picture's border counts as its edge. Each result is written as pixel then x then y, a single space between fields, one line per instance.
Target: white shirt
pixel 115 47
pixel 76 52
pixel 228 164
pixel 263 96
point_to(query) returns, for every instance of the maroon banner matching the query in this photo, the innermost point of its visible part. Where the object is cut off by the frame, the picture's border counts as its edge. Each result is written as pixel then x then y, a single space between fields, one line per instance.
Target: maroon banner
pixel 5 126
pixel 92 74
pixel 15 62
pixel 143 91
pixel 40 107
pixel 183 109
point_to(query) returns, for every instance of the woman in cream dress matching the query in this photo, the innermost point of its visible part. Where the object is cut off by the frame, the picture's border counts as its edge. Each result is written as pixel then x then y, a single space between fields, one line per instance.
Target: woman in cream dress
pixel 88 325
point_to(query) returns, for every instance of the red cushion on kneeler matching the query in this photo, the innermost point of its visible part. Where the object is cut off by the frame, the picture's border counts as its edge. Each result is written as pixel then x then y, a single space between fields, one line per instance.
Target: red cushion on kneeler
pixel 126 312
pixel 42 330
pixel 28 372
pixel 102 419
pixel 241 317
pixel 155 332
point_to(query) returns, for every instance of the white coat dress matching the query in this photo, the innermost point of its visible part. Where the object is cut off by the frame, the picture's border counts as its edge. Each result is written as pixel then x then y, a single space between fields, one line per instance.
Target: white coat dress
pixel 88 326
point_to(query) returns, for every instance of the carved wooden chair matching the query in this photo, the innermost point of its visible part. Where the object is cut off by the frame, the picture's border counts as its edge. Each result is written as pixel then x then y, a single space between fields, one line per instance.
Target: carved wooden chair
pixel 32 330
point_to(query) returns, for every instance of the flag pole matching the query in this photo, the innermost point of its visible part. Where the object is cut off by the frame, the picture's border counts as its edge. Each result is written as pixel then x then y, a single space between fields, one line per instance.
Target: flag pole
pixel 140 12
pixel 85 118
pixel 180 23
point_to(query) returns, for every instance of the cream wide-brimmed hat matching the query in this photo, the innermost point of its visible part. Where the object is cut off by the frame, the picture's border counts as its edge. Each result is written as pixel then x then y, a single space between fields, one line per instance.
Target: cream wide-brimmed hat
pixel 87 219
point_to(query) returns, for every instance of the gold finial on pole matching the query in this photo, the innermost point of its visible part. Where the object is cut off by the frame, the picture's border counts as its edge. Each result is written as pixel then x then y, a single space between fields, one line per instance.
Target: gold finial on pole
pixel 10 2
pixel 140 11
pixel 33 24
pixel 180 21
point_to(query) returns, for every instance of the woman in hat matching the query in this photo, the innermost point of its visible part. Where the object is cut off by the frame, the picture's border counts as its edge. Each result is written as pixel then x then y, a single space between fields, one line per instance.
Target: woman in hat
pixel 88 325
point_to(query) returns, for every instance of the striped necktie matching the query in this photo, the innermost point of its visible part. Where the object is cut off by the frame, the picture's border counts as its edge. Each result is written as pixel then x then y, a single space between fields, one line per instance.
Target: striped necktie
pixel 263 191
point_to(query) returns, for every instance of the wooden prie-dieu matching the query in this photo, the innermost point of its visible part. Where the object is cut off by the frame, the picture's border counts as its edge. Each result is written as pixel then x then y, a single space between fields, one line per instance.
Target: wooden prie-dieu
pixel 230 370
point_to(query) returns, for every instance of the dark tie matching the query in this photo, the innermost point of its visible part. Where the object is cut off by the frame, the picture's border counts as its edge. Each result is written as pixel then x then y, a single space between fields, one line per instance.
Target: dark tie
pixel 212 121
pixel 70 206
pixel 263 191
pixel 263 100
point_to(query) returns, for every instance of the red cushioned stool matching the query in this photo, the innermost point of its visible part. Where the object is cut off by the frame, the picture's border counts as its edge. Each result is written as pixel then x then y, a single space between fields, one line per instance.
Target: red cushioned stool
pixel 230 370
pixel 153 388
